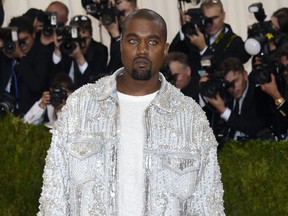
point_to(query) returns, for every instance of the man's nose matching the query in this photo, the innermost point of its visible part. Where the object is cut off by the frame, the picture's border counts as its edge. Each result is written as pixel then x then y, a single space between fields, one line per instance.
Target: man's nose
pixel 142 48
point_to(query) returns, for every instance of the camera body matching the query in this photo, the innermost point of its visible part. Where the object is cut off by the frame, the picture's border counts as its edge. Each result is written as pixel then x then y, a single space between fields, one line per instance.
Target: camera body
pixel 165 70
pixel 7 103
pixel 262 72
pixel 197 20
pixel 103 10
pixel 216 82
pixel 259 33
pixel 50 22
pixel 70 35
pixel 57 96
pixel 9 36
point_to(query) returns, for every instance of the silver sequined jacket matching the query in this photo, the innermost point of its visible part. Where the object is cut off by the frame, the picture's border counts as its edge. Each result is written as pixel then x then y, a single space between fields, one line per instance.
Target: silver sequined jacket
pixel 182 175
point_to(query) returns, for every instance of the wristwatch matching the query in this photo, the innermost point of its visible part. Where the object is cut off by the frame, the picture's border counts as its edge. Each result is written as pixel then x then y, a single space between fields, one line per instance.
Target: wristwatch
pixel 279 101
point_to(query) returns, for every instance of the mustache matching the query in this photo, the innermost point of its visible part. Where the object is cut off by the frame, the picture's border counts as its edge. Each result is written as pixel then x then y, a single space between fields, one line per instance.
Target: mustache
pixel 142 59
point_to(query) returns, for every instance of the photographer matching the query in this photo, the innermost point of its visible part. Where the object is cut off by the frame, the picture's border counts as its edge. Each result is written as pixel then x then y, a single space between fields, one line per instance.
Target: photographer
pixel 24 65
pixel 77 54
pixel 119 9
pixel 51 101
pixel 61 11
pixel 248 114
pixel 214 37
pixel 277 89
pixel 279 21
pixel 179 74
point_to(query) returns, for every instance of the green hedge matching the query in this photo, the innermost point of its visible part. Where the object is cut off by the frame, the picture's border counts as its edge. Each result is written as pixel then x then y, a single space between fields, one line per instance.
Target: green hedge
pixel 23 152
pixel 254 174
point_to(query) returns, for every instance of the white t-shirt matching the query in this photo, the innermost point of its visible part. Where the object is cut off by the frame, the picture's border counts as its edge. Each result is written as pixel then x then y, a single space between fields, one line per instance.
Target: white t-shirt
pixel 132 137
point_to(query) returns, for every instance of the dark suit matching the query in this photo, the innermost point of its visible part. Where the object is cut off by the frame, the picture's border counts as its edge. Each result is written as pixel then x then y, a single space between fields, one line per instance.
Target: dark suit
pixel 96 57
pixel 33 75
pixel 227 44
pixel 115 56
pixel 255 119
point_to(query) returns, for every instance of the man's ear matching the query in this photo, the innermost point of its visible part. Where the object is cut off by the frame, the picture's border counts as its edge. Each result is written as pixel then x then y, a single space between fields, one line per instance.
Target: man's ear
pixel 188 70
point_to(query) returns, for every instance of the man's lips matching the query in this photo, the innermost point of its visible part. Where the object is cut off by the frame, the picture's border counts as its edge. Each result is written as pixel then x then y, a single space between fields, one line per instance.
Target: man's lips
pixel 142 62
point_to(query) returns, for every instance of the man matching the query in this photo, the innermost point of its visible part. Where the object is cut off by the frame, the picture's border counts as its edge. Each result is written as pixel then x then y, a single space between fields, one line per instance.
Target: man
pixel 217 38
pixel 247 114
pixel 25 71
pixel 277 89
pixel 62 18
pixel 51 102
pixel 125 7
pixel 82 58
pixel 180 74
pixel 132 144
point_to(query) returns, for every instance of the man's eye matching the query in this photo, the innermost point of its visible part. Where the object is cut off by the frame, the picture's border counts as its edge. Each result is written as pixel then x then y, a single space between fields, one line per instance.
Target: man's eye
pixel 152 42
pixel 133 41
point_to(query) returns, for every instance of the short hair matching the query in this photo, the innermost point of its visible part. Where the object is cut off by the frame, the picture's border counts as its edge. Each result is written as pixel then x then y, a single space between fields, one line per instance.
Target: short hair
pixel 61 8
pixel 148 15
pixel 232 64
pixel 82 21
pixel 282 17
pixel 176 56
pixel 133 2
pixel 211 3
pixel 23 24
pixel 284 51
pixel 62 80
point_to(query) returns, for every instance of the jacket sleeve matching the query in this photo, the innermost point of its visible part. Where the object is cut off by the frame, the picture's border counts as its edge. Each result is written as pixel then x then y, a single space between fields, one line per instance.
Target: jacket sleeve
pixel 208 196
pixel 54 198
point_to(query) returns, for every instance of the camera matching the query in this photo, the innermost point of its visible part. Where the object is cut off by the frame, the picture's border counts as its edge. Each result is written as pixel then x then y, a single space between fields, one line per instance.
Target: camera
pixel 70 35
pixel 197 20
pixel 193 2
pixel 49 20
pixel 103 10
pixel 216 82
pixel 57 96
pixel 262 72
pixel 9 36
pixel 260 33
pixel 7 103
pixel 165 70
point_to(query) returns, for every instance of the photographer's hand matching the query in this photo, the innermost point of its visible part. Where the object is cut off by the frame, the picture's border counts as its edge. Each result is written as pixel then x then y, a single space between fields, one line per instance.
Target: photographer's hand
pixel 77 54
pixel 198 40
pixel 45 99
pixel 57 42
pixel 271 88
pixel 217 102
pixel 113 28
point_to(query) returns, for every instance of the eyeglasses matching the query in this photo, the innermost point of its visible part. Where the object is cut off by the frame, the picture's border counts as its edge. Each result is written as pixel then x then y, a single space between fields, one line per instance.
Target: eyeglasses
pixel 211 1
pixel 81 17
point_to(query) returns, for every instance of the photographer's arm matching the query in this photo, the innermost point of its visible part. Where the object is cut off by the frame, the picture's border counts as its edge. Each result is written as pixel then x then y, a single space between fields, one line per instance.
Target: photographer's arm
pixel 198 40
pixel 272 90
pixel 36 113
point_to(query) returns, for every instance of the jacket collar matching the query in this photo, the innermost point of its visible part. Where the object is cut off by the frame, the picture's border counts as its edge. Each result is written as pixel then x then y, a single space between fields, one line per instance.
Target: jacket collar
pixel 162 99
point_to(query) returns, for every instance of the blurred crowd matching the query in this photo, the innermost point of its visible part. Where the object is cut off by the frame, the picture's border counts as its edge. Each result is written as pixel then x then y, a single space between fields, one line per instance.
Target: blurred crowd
pixel 45 57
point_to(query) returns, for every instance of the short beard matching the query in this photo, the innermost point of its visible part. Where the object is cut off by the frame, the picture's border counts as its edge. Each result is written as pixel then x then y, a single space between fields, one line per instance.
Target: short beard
pixel 141 75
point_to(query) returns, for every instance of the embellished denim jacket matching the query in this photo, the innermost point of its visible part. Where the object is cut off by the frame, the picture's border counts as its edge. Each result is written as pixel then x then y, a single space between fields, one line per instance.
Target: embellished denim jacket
pixel 181 172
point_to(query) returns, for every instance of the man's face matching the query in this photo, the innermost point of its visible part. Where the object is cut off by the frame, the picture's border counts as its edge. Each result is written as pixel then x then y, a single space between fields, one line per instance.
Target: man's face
pixel 284 61
pixel 143 48
pixel 26 41
pixel 125 7
pixel 217 15
pixel 181 72
pixel 62 16
pixel 239 81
